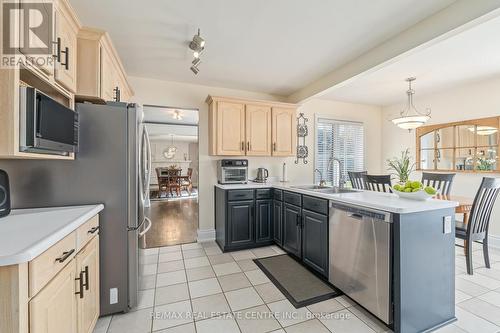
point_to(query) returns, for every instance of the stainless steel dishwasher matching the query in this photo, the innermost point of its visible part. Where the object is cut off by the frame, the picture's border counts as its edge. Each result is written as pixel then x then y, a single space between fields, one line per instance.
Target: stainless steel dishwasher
pixel 360 256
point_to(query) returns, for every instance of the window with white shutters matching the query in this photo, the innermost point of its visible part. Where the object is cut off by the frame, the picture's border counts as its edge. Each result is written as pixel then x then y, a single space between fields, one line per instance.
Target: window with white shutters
pixel 338 139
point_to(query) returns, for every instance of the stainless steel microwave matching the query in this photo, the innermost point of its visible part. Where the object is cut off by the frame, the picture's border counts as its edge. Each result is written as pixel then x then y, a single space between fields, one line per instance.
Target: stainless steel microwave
pixel 46 126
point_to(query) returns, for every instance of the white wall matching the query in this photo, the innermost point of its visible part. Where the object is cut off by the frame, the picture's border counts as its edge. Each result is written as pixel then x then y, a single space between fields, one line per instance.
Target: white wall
pixel 148 91
pixel 469 101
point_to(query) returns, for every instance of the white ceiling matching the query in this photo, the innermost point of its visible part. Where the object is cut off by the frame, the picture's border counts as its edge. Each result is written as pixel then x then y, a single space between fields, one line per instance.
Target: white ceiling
pixel 165 114
pixel 469 56
pixel 274 46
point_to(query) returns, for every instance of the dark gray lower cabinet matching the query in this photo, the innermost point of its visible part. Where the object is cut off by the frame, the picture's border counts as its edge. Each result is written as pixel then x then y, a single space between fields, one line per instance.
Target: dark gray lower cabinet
pixel 240 226
pixel 292 240
pixel 278 222
pixel 315 241
pixel 263 221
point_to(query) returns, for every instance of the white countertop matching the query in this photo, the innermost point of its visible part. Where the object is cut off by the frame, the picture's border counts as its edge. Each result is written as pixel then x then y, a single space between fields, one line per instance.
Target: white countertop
pixel 27 233
pixel 388 202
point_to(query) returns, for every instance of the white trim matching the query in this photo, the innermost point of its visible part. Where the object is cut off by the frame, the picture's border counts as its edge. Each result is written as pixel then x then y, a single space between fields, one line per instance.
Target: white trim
pixel 206 235
pixel 494 241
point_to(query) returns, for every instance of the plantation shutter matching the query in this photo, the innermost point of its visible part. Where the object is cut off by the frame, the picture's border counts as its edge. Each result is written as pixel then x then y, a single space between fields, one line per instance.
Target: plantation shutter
pixel 340 139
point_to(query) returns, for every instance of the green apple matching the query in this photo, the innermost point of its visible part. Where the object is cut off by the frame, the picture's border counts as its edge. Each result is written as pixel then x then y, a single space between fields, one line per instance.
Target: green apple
pixel 416 185
pixel 430 190
pixel 408 189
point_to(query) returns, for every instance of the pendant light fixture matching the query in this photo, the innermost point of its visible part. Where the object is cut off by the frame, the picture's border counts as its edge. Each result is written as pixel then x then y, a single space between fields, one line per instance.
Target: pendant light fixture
pixel 197 45
pixel 169 153
pixel 410 118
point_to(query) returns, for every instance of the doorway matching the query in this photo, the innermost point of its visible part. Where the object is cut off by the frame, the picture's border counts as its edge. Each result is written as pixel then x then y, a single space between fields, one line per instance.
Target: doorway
pixel 174 176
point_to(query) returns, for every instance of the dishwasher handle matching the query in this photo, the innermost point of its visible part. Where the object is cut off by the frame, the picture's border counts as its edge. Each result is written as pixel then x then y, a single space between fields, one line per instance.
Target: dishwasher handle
pixel 359 213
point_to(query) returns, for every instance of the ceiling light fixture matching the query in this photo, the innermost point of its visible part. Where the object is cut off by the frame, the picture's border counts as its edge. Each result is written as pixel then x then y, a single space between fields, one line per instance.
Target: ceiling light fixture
pixel 483 130
pixel 410 118
pixel 177 115
pixel 197 45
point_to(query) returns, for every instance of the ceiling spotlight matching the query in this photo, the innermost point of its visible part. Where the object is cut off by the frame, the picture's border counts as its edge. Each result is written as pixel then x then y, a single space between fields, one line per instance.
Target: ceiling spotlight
pixel 198 43
pixel 194 69
pixel 196 62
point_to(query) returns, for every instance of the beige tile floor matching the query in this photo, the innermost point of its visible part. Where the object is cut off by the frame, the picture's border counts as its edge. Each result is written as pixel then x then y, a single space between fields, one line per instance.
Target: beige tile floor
pixel 196 288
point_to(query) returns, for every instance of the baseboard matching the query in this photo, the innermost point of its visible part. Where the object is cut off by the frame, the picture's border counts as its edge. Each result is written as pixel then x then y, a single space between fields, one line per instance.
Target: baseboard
pixel 494 241
pixel 206 235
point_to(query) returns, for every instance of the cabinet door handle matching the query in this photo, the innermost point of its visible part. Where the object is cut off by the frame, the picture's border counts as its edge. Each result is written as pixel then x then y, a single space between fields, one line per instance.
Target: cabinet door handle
pixel 65 256
pixel 66 57
pixel 86 274
pixel 242 146
pixel 93 230
pixel 248 145
pixel 274 146
pixel 57 56
pixel 80 284
pixel 297 220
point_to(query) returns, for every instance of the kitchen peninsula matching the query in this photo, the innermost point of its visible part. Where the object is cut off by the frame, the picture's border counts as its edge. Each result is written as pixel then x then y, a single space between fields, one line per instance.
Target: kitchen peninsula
pixel 395 257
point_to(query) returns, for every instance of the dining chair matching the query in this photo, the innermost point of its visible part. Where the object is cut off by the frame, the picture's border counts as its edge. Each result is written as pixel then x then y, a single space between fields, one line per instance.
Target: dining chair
pixel 356 178
pixel 162 182
pixel 440 181
pixel 173 180
pixel 379 183
pixel 476 229
pixel 187 183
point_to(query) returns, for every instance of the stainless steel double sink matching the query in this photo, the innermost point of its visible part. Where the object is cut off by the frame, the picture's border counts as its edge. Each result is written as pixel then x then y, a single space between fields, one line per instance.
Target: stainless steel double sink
pixel 324 189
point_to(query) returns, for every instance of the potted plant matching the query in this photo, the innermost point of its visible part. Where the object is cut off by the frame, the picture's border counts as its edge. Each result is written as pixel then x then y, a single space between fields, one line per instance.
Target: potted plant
pixel 401 167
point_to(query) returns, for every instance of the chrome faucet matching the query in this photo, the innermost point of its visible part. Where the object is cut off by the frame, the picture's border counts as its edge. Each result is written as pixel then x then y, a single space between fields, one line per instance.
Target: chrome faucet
pixel 322 182
pixel 341 167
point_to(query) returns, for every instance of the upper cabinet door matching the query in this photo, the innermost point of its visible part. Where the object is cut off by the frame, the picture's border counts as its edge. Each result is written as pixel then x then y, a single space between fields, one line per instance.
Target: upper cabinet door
pixel 65 72
pixel 258 130
pixel 283 132
pixel 108 81
pixel 46 33
pixel 230 128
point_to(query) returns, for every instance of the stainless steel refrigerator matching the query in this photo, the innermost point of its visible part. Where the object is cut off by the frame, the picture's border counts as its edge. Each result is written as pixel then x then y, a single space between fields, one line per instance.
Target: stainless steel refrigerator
pixel 112 167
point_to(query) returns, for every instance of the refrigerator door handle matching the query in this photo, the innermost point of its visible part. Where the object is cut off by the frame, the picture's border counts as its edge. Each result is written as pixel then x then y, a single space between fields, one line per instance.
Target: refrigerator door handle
pixel 149 166
pixel 136 227
pixel 146 229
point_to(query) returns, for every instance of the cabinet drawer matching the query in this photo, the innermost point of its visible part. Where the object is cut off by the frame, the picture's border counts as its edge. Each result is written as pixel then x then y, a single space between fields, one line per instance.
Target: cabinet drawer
pixel 278 194
pixel 44 267
pixel 263 193
pixel 233 195
pixel 293 198
pixel 86 231
pixel 317 205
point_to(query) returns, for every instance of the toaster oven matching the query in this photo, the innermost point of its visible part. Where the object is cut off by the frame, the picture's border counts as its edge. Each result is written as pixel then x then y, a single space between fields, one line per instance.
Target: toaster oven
pixel 232 171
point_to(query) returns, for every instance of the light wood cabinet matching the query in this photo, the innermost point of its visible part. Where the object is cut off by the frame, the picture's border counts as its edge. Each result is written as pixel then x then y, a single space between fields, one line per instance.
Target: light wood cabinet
pixel 54 308
pixel 100 71
pixel 65 300
pixel 258 130
pixel 231 128
pixel 284 132
pixel 240 127
pixel 66 28
pixel 87 264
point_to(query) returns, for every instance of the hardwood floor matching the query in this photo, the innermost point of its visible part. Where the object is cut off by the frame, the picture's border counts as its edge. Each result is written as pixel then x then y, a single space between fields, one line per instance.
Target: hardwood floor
pixel 173 222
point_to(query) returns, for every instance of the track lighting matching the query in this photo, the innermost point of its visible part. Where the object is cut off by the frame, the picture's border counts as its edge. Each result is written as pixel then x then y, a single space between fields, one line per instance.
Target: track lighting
pixel 197 45
pixel 194 69
pixel 196 61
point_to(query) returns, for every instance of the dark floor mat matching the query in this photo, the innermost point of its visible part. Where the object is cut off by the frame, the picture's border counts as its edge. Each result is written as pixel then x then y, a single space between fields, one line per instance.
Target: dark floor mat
pixel 296 282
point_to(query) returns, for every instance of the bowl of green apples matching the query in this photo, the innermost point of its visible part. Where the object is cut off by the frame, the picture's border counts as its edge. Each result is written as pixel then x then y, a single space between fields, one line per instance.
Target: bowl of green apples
pixel 414 190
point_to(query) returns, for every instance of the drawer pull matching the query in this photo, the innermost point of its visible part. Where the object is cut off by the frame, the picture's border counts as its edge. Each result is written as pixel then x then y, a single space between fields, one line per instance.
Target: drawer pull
pixel 93 230
pixel 80 283
pixel 86 274
pixel 65 256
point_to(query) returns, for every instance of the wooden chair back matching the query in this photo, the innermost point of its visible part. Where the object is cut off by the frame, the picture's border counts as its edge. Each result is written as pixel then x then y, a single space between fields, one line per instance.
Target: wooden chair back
pixel 440 181
pixel 357 179
pixel 480 215
pixel 379 183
